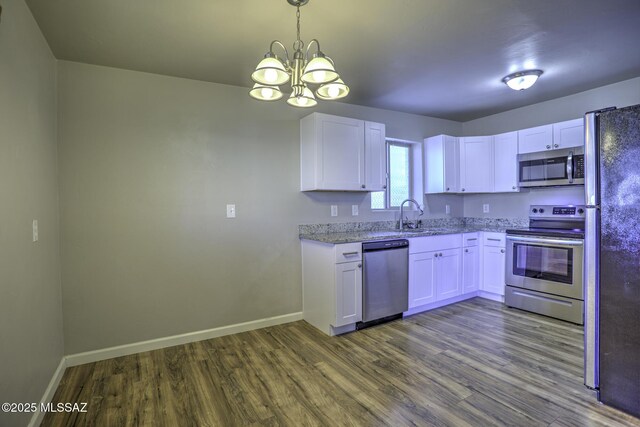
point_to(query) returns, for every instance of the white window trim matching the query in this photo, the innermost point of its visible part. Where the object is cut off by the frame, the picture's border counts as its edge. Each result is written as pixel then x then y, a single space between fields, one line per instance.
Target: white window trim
pixel 415 173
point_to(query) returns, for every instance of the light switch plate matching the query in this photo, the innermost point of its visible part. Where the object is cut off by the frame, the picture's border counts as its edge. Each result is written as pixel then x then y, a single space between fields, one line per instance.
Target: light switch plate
pixel 447 209
pixel 354 210
pixel 334 210
pixel 34 228
pixel 485 208
pixel 231 211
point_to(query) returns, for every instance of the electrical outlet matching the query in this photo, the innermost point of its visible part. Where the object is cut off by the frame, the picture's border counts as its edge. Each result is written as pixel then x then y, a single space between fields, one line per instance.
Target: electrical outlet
pixel 34 229
pixel 354 210
pixel 485 208
pixel 231 211
pixel 334 210
pixel 447 209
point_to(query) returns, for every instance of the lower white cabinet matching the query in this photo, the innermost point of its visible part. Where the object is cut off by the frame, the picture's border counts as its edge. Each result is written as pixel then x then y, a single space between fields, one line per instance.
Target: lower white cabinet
pixel 493 263
pixel 470 269
pixel 348 293
pixel 435 269
pixel 332 285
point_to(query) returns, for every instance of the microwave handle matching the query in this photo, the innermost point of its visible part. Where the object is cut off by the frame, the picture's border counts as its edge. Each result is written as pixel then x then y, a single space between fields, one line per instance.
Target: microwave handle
pixel 570 167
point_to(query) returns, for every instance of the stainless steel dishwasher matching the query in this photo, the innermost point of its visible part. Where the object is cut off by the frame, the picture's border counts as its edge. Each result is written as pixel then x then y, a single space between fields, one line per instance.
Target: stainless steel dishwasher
pixel 385 284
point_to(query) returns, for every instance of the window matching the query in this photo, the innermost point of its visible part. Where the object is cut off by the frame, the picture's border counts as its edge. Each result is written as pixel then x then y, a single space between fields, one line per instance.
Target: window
pixel 398 177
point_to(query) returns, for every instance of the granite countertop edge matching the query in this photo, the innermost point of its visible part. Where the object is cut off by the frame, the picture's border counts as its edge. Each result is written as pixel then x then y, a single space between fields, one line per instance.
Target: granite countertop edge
pixel 367 236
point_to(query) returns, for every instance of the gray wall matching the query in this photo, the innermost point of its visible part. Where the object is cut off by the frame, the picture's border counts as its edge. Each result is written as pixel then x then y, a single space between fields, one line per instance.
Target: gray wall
pixel 620 94
pixel 147 165
pixel 30 306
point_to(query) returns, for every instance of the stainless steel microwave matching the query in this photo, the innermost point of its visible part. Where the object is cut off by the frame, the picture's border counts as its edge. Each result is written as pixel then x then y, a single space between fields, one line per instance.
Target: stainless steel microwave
pixel 551 168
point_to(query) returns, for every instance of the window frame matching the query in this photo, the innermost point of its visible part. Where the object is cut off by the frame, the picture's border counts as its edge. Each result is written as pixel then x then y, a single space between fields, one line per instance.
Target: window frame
pixel 410 145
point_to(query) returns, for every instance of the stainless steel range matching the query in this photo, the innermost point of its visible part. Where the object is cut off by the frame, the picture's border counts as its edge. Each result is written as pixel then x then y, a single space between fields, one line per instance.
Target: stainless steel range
pixel 544 263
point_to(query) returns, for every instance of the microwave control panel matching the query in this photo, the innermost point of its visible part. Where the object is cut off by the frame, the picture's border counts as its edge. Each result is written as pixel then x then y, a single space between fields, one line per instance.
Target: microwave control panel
pixel 578 166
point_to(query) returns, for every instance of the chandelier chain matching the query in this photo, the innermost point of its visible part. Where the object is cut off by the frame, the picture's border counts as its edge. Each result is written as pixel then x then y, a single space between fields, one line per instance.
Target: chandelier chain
pixel 299 42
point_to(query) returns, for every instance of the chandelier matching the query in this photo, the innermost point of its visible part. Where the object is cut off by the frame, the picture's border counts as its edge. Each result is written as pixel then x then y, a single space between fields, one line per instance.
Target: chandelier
pixel 302 71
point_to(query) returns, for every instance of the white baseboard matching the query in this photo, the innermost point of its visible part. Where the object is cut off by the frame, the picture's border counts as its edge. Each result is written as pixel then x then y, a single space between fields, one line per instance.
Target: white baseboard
pixel 158 343
pixel 36 418
pixel 491 296
pixel 439 304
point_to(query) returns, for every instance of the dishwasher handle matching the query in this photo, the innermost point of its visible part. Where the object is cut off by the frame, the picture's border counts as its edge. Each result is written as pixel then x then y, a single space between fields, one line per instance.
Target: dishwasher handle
pixel 382 245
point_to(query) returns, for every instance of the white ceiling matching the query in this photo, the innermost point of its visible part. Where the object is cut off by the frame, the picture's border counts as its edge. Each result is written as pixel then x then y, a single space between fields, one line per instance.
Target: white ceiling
pixel 440 58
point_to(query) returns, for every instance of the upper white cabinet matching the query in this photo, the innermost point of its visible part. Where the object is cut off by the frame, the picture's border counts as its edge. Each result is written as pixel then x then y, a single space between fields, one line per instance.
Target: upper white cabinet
pixel 551 137
pixel 476 164
pixel 539 138
pixel 505 170
pixel 442 164
pixel 375 165
pixel 341 154
pixel 568 134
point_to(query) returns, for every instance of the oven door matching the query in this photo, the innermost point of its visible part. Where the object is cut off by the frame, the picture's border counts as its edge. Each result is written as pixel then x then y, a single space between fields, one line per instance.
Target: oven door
pixel 545 264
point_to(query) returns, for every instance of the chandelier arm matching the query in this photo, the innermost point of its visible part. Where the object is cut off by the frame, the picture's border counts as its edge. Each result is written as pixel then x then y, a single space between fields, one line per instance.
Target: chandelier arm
pixel 309 47
pixel 279 43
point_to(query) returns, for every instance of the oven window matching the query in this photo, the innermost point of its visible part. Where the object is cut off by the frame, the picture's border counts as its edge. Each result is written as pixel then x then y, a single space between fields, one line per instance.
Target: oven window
pixel 543 262
pixel 543 170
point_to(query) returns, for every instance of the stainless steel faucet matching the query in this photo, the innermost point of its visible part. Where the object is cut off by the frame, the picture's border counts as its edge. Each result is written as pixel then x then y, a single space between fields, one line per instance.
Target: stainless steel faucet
pixel 402 223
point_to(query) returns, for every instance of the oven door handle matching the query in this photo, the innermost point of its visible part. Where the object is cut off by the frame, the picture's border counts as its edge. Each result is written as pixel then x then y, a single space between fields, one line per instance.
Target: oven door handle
pixel 544 241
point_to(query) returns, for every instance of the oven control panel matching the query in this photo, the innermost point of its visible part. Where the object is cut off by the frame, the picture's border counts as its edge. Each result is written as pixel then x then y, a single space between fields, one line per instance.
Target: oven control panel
pixel 557 212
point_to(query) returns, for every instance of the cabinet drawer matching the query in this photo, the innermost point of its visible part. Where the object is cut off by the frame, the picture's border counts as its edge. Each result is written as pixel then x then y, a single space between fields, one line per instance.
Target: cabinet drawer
pixel 348 252
pixel 470 239
pixel 493 239
pixel 434 243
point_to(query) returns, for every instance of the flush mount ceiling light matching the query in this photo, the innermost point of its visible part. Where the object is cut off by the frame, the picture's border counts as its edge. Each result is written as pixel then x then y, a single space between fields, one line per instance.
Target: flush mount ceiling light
pixel 302 70
pixel 522 79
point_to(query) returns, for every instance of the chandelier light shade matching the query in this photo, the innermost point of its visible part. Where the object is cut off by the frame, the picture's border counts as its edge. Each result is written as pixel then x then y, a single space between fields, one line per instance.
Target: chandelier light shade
pixel 301 70
pixel 265 92
pixel 522 79
pixel 334 90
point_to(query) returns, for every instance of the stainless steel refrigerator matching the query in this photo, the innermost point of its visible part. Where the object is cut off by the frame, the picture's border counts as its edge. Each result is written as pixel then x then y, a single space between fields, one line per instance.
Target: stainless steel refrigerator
pixel 612 256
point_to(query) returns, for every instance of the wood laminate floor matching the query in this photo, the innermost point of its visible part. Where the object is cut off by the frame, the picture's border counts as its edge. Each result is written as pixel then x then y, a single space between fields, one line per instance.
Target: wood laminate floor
pixel 475 363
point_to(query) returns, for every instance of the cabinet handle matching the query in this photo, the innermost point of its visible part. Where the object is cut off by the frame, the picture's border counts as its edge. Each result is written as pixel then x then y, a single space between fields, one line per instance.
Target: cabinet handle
pixel 359 265
pixel 350 253
pixel 364 186
pixel 555 145
pixel 501 251
pixel 471 239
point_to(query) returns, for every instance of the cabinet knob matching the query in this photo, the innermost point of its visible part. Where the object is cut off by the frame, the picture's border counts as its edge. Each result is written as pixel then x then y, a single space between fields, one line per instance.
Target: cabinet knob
pixel 513 188
pixel 463 189
pixel 359 265
pixel 364 186
pixel 384 186
pixel 447 188
pixel 501 251
pixel 548 147
pixel 555 145
pixel 440 254
pixel 466 250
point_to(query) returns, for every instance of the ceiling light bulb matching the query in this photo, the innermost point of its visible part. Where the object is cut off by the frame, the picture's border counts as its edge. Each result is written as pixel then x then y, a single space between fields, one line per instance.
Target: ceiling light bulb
pixel 319 75
pixel 266 92
pixel 301 100
pixel 333 91
pixel 270 75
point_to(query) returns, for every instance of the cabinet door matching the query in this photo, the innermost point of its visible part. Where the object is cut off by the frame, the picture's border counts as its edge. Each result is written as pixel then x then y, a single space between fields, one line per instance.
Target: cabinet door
pixel 422 273
pixel 448 274
pixel 340 151
pixel 505 148
pixel 441 164
pixel 493 268
pixel 568 134
pixel 476 164
pixel 375 152
pixel 539 138
pixel 470 269
pixel 348 293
